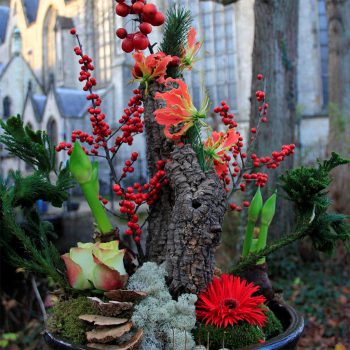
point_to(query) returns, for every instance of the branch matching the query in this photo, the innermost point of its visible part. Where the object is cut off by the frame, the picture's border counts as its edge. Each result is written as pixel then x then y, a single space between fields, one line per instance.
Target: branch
pixel 252 259
pixel 38 297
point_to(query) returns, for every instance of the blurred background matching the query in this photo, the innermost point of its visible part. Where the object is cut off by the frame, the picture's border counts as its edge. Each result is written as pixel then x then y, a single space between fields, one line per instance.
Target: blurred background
pixel 302 47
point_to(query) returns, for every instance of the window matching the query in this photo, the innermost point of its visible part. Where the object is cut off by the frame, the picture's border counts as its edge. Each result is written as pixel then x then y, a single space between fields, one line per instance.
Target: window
pixel 104 23
pixel 6 107
pixel 49 45
pixel 324 48
pixel 52 131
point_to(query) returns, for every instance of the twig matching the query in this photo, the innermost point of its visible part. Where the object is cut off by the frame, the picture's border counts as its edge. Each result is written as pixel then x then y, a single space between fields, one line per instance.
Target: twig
pixel 39 299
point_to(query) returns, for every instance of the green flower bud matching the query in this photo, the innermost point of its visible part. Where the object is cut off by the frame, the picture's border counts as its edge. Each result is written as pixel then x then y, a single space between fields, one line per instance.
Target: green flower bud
pixel 255 206
pixel 80 165
pixel 268 210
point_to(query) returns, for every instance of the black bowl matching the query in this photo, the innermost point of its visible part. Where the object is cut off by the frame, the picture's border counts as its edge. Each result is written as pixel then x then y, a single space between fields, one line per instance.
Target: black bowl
pixel 292 321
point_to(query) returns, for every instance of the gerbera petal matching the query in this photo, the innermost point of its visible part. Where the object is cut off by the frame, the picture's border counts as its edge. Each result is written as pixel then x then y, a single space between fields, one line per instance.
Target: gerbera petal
pixel 229 300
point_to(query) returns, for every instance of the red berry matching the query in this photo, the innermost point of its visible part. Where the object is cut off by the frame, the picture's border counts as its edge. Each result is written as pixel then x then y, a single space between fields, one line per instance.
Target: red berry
pixel 246 204
pixel 128 44
pixel 140 41
pixel 121 33
pixel 137 6
pixel 175 61
pixel 149 10
pixel 104 201
pixel 122 10
pixel 158 19
pixel 145 28
pixel 73 31
pixel 259 76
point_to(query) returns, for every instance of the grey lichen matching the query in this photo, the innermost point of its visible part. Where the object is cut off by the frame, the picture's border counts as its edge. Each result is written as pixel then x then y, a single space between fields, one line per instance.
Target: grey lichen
pixel 167 323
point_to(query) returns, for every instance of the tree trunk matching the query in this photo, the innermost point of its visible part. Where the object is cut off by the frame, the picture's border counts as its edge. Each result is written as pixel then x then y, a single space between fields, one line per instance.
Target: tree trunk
pixel 338 12
pixel 184 226
pixel 196 222
pixel 274 55
pixel 158 148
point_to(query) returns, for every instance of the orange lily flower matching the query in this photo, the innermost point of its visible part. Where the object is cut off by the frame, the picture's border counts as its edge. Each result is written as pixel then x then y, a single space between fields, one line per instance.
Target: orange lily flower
pixel 179 113
pixel 152 67
pixel 190 51
pixel 216 147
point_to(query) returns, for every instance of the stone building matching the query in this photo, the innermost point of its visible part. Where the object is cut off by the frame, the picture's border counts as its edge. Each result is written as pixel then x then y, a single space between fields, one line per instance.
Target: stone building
pixel 39 70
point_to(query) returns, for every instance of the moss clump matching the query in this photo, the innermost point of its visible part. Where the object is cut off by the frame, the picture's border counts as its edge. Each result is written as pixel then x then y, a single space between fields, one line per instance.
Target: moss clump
pixel 64 319
pixel 273 325
pixel 236 337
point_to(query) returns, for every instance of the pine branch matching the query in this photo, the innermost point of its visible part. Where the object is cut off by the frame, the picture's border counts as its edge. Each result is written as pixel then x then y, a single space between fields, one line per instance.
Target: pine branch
pixel 28 190
pixel 177 25
pixel 42 257
pixel 33 147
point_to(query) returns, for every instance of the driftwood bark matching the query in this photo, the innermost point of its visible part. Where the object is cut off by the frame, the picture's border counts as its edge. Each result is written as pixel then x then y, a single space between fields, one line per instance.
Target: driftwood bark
pixel 338 12
pixel 258 274
pixel 158 148
pixel 275 55
pixel 196 222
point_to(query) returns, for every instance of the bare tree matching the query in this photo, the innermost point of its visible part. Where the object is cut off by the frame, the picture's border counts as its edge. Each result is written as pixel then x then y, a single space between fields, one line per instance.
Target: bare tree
pixel 338 12
pixel 275 55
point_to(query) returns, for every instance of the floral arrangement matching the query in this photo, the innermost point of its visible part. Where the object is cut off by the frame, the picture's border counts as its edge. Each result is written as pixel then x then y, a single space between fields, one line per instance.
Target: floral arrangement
pixel 166 293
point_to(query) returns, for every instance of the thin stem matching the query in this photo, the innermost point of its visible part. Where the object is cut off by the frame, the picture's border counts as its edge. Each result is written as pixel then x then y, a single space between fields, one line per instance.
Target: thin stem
pixel 39 299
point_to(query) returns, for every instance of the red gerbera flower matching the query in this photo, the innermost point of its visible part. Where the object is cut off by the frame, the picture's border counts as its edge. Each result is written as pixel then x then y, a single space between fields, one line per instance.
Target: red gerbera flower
pixel 228 300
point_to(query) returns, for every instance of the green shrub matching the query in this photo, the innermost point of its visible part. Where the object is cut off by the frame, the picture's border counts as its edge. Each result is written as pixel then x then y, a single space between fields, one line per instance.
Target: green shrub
pixel 238 336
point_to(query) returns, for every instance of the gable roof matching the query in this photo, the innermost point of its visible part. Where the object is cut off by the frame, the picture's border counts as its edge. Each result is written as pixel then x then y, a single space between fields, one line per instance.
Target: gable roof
pixel 30 9
pixel 6 67
pixel 71 102
pixel 4 16
pixel 38 102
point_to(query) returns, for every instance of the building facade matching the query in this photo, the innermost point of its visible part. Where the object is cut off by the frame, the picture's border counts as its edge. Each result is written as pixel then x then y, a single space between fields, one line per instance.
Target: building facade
pixel 39 70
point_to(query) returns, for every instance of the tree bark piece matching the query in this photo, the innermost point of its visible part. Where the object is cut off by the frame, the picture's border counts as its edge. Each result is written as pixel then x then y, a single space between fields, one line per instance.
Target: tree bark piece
pixel 196 222
pixel 132 344
pixel 125 295
pixel 112 308
pixel 98 320
pixel 338 12
pixel 158 148
pixel 107 335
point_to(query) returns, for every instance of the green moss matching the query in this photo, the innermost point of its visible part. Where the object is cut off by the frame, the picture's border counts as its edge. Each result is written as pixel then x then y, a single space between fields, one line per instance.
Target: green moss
pixel 273 325
pixel 238 336
pixel 64 319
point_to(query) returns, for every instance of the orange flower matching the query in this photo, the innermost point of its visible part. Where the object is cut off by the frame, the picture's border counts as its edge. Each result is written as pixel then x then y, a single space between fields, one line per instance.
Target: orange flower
pixel 179 113
pixel 152 67
pixel 190 51
pixel 216 147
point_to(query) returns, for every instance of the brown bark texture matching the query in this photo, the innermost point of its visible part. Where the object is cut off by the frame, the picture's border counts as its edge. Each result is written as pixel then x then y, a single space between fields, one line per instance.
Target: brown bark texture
pixel 274 56
pixel 338 12
pixel 184 226
pixel 158 148
pixel 196 222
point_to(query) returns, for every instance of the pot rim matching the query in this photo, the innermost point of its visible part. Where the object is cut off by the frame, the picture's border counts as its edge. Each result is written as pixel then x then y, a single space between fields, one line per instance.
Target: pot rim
pixel 290 334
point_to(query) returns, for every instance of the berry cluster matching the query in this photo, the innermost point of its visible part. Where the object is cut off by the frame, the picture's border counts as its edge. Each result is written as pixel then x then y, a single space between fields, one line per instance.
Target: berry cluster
pixel 131 123
pixel 226 117
pixel 147 15
pixel 273 161
pixel 137 195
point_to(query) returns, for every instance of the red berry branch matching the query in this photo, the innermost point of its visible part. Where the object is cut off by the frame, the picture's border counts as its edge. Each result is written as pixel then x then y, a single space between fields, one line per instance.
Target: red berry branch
pixel 243 169
pixel 131 124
